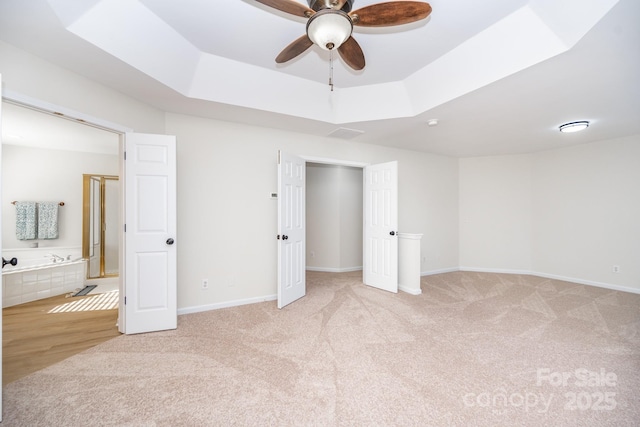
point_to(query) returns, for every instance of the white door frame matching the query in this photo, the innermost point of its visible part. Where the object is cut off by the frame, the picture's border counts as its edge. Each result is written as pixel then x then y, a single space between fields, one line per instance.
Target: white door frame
pixel 64 112
pixel 336 162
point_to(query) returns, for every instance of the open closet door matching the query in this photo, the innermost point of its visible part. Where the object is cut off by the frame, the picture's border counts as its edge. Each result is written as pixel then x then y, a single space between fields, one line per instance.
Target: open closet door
pixel 291 228
pixel 380 255
pixel 150 234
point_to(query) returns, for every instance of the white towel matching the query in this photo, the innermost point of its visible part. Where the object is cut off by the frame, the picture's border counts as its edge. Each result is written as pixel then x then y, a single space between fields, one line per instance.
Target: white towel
pixel 47 220
pixel 25 220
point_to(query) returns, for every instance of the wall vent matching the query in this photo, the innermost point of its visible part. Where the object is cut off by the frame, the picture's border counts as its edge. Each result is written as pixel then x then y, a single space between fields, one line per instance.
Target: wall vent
pixel 345 133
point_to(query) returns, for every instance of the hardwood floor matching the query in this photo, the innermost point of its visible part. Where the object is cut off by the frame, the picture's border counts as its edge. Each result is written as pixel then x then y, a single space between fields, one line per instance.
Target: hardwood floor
pixel 33 338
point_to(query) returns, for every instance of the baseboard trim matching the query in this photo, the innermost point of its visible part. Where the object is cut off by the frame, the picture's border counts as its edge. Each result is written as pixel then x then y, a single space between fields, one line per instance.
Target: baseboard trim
pixel 226 304
pixel 334 270
pixel 555 277
pixel 236 303
pixel 497 270
pixel 589 283
pixel 440 271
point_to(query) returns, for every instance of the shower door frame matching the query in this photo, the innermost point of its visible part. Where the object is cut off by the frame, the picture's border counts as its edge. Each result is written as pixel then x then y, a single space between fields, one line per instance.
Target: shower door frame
pixel 88 210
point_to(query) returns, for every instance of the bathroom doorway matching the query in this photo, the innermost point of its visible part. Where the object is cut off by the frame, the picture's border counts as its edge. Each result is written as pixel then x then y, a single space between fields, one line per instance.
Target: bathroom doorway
pixel 44 157
pixel 49 156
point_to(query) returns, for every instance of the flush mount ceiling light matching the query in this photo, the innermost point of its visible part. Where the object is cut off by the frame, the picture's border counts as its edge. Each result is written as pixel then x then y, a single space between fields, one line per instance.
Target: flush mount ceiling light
pixel 574 126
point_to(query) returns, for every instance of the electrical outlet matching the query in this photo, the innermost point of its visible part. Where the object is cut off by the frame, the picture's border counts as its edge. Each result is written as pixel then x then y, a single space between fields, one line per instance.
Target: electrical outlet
pixel 313 254
pixel 616 269
pixel 424 259
pixel 205 283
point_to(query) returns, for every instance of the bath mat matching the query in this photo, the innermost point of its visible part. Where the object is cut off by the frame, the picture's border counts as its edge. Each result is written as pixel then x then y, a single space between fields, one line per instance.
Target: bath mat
pixel 84 290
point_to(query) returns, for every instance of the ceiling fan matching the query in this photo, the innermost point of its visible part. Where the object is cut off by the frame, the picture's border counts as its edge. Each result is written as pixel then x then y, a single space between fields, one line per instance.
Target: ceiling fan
pixel 330 23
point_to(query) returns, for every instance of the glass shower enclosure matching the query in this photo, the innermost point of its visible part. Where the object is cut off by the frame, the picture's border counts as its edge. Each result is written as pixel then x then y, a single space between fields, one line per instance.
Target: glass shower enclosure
pixel 101 200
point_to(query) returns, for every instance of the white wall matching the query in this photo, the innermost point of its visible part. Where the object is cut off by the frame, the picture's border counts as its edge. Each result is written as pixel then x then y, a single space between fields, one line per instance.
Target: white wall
pixel 495 213
pixel 586 210
pixel 351 217
pixel 570 213
pixel 322 217
pixel 31 76
pixel 227 222
pixel 334 217
pixel 428 194
pixel 36 174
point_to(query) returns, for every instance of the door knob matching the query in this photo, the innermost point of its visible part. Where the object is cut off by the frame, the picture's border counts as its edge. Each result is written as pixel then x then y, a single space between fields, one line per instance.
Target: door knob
pixel 393 233
pixel 169 241
pixel 284 237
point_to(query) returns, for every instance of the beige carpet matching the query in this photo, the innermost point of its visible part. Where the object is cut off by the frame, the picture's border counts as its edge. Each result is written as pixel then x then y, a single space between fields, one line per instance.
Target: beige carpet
pixel 473 349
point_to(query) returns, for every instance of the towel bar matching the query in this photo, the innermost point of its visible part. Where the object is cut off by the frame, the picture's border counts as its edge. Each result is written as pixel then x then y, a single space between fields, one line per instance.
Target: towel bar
pixel 15 201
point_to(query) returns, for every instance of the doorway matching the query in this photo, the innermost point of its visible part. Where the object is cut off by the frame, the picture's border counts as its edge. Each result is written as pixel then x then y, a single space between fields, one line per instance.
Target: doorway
pixel 44 158
pixel 48 157
pixel 157 152
pixel 334 217
pixel 379 231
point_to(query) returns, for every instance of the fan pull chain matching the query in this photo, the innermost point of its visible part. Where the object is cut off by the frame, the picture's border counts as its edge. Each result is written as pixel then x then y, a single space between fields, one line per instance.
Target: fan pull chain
pixel 331 69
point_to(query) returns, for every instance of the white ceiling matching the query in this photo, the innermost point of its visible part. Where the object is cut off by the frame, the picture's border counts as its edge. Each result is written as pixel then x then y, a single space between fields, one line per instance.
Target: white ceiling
pixel 499 75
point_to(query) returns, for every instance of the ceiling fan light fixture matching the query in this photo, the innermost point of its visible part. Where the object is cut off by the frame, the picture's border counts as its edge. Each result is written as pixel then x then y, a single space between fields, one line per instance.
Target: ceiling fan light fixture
pixel 574 126
pixel 329 28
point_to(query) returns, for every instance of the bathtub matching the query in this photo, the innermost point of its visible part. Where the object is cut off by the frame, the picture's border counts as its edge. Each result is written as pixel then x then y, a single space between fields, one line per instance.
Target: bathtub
pixel 37 276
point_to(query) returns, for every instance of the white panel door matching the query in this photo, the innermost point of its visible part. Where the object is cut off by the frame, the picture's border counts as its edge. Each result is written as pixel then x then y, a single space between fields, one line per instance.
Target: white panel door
pixel 380 256
pixel 291 228
pixel 150 233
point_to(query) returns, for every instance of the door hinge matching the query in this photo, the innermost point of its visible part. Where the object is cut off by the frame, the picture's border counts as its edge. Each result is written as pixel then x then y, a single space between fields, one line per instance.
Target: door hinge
pixel 125 228
pixel 125 155
pixel 125 300
pixel 278 156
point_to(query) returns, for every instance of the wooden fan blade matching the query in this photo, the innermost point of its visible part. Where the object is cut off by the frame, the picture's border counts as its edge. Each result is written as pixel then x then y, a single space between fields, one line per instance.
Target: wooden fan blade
pixel 352 54
pixel 294 49
pixel 390 13
pixel 289 6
